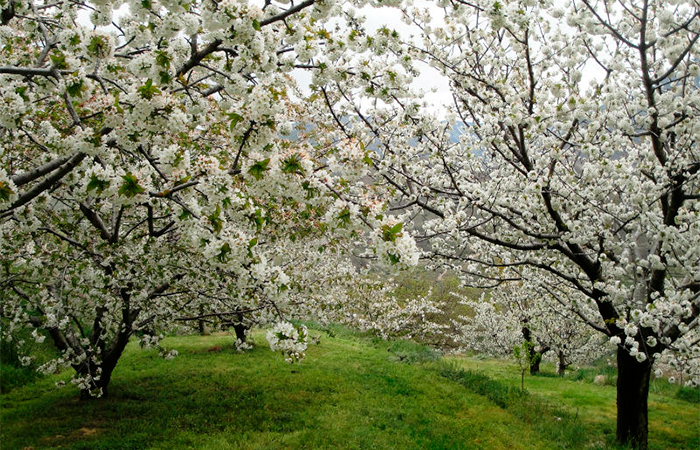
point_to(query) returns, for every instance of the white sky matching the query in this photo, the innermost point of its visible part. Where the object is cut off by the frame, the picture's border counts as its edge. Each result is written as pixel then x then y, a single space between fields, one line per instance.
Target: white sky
pixel 435 85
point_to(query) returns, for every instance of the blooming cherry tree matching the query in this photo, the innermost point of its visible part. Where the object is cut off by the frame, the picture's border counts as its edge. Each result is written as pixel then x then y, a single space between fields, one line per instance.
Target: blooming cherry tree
pixel 516 312
pixel 577 158
pixel 156 158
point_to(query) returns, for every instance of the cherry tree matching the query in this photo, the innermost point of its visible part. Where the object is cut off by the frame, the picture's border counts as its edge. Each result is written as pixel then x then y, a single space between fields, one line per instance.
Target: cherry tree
pixel 577 159
pixel 517 312
pixel 156 157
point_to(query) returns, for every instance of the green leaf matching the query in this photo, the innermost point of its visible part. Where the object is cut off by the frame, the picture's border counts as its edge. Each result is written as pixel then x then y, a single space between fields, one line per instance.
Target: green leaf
pixel 147 91
pixel 162 59
pixel 185 215
pixel 258 169
pixel 393 259
pixel 224 253
pixel 235 118
pixel 98 46
pixel 75 89
pixel 97 184
pixel 5 191
pixel 389 234
pixel 21 91
pixel 256 25
pixel 344 217
pixel 131 186
pixel 215 220
pixel 292 165
pixel 59 61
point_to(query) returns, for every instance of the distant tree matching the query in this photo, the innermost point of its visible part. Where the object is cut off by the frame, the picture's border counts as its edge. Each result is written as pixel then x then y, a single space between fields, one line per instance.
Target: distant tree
pixel 514 313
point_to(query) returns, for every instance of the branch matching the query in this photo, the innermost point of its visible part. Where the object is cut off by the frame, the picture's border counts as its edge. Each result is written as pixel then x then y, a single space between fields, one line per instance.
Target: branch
pixel 197 57
pixel 31 71
pixel 26 177
pixel 287 13
pixel 95 220
pixel 48 183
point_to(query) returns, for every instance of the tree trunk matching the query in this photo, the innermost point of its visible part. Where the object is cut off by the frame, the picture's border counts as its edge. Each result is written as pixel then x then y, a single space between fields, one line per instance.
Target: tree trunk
pixel 98 388
pixel 561 366
pixel 632 394
pixel 240 330
pixel 535 360
pixel 533 356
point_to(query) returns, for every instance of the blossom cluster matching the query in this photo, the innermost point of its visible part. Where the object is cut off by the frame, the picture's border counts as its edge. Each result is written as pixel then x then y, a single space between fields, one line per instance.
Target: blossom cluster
pixel 289 339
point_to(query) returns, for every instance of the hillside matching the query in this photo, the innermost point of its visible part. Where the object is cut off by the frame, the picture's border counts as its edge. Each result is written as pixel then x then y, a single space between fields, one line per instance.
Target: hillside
pixel 350 393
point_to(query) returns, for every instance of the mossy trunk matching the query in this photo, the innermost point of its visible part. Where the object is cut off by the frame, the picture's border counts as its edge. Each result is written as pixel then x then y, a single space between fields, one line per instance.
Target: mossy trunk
pixel 632 400
pixel 535 360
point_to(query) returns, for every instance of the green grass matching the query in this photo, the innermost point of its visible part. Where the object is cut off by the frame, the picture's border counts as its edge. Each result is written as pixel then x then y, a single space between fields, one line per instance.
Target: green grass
pixel 349 393
pixel 674 419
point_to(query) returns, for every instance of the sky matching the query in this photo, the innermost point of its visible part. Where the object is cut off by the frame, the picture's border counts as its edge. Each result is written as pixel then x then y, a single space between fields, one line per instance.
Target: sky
pixel 430 80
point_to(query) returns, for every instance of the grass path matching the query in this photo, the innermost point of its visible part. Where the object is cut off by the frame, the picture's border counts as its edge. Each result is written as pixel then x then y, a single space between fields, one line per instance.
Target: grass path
pixel 348 394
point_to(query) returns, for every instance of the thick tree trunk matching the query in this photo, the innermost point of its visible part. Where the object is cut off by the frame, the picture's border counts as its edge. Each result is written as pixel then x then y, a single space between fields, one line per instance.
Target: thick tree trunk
pixel 535 363
pixel 561 366
pixel 632 394
pixel 98 388
pixel 533 356
pixel 240 330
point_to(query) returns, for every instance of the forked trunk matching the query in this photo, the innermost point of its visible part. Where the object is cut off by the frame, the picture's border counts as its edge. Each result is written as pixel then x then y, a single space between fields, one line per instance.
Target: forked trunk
pixel 98 387
pixel 632 395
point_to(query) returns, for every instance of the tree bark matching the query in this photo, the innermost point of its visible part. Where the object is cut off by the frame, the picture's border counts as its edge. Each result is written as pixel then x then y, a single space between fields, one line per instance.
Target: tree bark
pixel 535 362
pixel 561 366
pixel 632 395
pixel 240 330
pixel 532 355
pixel 107 365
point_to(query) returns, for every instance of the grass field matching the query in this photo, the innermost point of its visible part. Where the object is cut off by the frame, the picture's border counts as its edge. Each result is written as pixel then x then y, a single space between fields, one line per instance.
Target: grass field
pixel 350 393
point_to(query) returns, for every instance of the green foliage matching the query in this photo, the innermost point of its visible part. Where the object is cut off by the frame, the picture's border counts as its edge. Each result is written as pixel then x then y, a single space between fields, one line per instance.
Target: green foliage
pixel 390 233
pixel 215 220
pixel 148 90
pixel 97 184
pixel 411 352
pixel 292 165
pixel 12 377
pixel 130 188
pixel 5 191
pixel 688 394
pixel 258 169
pixel 499 393
pixel 12 373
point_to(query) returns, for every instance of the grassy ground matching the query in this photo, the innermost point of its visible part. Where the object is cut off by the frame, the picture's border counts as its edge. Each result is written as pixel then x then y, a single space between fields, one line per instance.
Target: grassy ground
pixel 350 393
pixel 674 424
